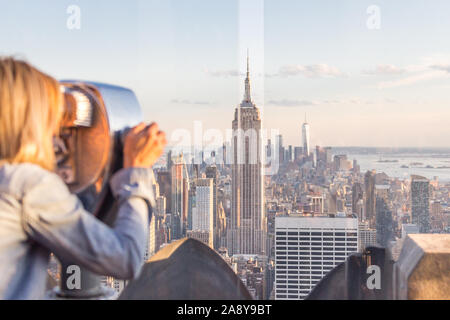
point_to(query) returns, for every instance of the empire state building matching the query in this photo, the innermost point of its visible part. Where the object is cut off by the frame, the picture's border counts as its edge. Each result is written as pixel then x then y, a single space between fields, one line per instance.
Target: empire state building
pixel 247 231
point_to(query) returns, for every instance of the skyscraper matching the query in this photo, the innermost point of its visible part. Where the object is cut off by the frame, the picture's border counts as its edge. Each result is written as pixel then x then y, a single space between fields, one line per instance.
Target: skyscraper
pixel 357 195
pixel 202 216
pixel 290 153
pixel 384 222
pixel 179 197
pixel 328 154
pixel 191 202
pixel 169 161
pixel 212 173
pixel 150 248
pixel 160 209
pixel 366 237
pixel 420 203
pixel 370 200
pixel 307 248
pixel 305 134
pixel 269 149
pixel 202 212
pixel 247 232
pixel 165 188
pixel 280 149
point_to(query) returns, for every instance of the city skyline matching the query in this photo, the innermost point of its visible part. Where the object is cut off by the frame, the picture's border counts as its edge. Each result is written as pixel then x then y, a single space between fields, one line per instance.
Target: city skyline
pixel 307 153
pixel 351 80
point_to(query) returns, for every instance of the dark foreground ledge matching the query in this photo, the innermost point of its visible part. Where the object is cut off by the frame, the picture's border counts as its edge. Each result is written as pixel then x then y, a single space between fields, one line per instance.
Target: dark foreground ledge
pixel 190 270
pixel 422 272
pixel 186 270
pixel 423 269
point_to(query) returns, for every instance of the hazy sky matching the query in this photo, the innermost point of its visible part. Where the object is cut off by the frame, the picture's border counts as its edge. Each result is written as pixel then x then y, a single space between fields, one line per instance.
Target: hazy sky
pixel 185 60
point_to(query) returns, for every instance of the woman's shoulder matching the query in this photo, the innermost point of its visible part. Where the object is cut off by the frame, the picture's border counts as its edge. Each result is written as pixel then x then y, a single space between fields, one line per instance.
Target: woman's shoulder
pixel 20 178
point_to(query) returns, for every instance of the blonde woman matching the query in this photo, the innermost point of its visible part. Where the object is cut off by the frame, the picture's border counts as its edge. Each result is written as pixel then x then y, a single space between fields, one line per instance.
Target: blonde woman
pixel 38 215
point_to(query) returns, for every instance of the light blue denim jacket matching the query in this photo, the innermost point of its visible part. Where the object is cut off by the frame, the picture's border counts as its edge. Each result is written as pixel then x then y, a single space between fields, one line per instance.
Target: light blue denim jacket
pixel 39 215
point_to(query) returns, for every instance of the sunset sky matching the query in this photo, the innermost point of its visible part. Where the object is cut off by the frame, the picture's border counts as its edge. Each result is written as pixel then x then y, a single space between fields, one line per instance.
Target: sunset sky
pixel 185 60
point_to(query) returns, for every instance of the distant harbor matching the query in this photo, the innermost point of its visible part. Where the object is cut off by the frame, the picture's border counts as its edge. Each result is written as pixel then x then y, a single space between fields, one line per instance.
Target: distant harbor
pixel 403 165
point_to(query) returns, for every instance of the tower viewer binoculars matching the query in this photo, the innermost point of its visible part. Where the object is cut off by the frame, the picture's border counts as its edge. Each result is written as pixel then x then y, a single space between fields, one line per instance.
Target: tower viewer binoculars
pixel 89 150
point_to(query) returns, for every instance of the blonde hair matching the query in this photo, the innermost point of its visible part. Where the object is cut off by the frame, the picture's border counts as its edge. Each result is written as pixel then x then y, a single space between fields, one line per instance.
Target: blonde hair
pixel 30 111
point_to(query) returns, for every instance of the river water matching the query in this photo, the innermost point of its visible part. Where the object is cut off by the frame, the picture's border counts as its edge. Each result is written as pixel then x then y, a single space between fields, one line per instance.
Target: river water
pixel 416 163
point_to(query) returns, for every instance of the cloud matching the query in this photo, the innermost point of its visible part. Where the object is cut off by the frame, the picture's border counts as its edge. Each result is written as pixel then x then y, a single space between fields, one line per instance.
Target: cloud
pixel 334 101
pixel 346 101
pixel 310 71
pixel 355 101
pixel 292 103
pixel 413 79
pixel 428 68
pixel 271 75
pixel 224 73
pixel 339 101
pixel 441 67
pixel 185 101
pixel 390 100
pixel 385 69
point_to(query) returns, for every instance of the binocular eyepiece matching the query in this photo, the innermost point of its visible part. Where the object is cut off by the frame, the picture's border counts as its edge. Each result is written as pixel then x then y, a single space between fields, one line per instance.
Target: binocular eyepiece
pixel 90 142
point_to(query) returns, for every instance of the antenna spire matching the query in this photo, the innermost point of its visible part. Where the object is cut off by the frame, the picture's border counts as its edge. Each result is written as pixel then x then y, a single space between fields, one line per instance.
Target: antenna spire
pixel 247 97
pixel 248 64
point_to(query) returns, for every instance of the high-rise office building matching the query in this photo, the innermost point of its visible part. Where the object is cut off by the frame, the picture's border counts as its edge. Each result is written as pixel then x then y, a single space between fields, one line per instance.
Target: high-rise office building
pixel 179 197
pixel 150 248
pixel 226 154
pixel 306 137
pixel 212 173
pixel 160 209
pixel 357 196
pixel 169 162
pixel 328 154
pixel 384 222
pixel 280 149
pixel 307 248
pixel 367 237
pixel 420 202
pixel 165 188
pixel 369 193
pixel 298 152
pixel 191 202
pixel 247 232
pixel 221 227
pixel 202 212
pixel 269 149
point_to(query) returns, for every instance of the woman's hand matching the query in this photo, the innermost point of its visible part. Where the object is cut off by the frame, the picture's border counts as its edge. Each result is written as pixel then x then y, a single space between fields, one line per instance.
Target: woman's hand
pixel 143 146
